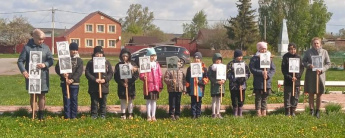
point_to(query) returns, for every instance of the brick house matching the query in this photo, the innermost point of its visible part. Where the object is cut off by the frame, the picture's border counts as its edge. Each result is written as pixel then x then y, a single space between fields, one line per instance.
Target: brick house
pixel 96 29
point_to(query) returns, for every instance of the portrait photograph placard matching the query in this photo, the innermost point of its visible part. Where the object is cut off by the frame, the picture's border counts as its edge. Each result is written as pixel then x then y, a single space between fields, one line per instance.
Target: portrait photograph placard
pixel 65 65
pixel 317 62
pixel 196 70
pixel 35 58
pixel 294 65
pixel 265 60
pixel 240 70
pixel 125 71
pixel 63 49
pixel 99 64
pixel 172 63
pixel 34 86
pixel 145 65
pixel 221 72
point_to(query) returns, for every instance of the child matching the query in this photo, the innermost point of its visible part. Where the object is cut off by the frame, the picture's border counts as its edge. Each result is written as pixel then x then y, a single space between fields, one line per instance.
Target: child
pixel 259 76
pixel 175 80
pixel 98 105
pixel 155 85
pixel 201 82
pixel 125 57
pixel 235 83
pixel 73 80
pixel 216 85
pixel 290 102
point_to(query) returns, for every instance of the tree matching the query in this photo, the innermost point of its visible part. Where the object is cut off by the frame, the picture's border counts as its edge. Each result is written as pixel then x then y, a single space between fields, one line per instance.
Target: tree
pixel 216 38
pixel 319 18
pixel 15 31
pixel 138 20
pixel 162 37
pixel 242 28
pixel 199 21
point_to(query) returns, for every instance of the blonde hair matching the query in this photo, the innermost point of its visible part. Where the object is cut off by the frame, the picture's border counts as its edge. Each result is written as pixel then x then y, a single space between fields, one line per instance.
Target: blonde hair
pixel 316 38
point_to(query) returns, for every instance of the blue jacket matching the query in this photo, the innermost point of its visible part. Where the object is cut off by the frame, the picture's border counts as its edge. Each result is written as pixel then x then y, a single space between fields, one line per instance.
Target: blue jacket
pixel 254 67
pixel 202 81
pixel 47 59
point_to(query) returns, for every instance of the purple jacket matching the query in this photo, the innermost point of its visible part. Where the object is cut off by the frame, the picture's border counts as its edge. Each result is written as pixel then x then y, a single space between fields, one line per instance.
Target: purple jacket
pixel 154 79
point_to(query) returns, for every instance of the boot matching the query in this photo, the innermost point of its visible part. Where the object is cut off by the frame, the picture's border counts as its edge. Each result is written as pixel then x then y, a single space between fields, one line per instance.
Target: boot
pixel 235 111
pixel 312 112
pixel 123 116
pixel 292 111
pixel 317 113
pixel 214 116
pixel 258 113
pixel 40 115
pixel 263 112
pixel 239 111
pixel 172 117
pixel 287 112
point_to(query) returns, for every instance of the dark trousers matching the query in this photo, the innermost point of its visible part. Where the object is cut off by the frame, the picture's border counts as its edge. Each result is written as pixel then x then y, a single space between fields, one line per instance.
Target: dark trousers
pixel 261 99
pixel 196 106
pixel 98 105
pixel 289 100
pixel 70 106
pixel 236 98
pixel 174 103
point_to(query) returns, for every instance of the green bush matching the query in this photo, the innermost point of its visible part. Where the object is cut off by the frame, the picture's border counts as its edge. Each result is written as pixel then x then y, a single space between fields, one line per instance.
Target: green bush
pixel 332 107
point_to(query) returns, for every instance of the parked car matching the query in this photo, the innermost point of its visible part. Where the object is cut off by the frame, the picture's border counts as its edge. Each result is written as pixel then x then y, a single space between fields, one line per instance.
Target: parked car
pixel 164 51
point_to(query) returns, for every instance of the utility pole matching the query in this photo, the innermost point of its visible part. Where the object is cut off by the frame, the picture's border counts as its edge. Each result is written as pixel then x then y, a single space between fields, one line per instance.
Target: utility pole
pixel 265 29
pixel 53 27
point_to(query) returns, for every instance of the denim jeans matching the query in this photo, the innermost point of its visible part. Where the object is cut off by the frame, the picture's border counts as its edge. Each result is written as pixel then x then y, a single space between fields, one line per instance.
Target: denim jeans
pixel 70 105
pixel 196 106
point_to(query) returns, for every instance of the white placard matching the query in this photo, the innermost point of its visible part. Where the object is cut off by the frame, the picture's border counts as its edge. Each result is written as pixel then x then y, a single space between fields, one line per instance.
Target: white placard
pixel 294 65
pixel 145 65
pixel 221 72
pixel 196 70
pixel 125 71
pixel 317 62
pixel 63 49
pixel 65 65
pixel 172 63
pixel 34 86
pixel 240 70
pixel 35 58
pixel 265 60
pixel 99 64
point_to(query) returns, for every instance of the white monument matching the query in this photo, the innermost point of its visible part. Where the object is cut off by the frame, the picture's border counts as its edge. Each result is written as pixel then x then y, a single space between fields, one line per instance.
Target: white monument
pixel 283 40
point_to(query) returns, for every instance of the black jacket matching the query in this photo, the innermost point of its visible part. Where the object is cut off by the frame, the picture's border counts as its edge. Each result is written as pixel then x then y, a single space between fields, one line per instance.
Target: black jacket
pixel 77 70
pixel 285 70
pixel 121 92
pixel 91 76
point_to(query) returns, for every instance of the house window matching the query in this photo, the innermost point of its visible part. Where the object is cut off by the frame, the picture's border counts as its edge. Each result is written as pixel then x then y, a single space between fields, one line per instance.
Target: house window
pixel 111 28
pixel 100 28
pixel 75 40
pixel 89 42
pixel 100 42
pixel 89 28
pixel 112 43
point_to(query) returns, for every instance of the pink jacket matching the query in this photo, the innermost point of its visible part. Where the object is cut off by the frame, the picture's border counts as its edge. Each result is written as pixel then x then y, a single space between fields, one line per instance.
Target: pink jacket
pixel 154 79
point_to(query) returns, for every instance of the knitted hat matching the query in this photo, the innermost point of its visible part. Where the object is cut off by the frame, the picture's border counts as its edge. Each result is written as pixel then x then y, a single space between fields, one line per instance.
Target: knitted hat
pixel 150 51
pixel 198 55
pixel 73 46
pixel 98 49
pixel 237 53
pixel 261 45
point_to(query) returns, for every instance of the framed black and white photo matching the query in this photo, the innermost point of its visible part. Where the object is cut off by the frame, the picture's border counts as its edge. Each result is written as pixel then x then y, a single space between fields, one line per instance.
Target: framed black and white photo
pixel 265 60
pixel 34 86
pixel 240 70
pixel 63 49
pixel 294 65
pixel 196 70
pixel 221 72
pixel 65 65
pixel 125 71
pixel 35 58
pixel 145 65
pixel 317 62
pixel 172 62
pixel 99 64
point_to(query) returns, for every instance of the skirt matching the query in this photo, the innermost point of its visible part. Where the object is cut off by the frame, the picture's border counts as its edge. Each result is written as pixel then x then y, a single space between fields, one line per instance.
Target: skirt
pixel 152 96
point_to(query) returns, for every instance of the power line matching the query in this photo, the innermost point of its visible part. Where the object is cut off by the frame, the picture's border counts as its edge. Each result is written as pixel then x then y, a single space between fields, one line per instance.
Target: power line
pixel 23 12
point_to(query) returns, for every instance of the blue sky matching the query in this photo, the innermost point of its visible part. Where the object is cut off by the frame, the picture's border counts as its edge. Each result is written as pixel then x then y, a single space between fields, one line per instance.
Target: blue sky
pixel 169 15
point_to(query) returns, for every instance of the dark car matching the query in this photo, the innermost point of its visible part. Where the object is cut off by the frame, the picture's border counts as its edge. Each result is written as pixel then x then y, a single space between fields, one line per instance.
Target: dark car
pixel 164 51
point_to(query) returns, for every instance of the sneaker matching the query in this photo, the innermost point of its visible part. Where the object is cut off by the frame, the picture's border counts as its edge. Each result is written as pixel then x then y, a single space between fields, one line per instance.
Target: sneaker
pixel 94 116
pixel 130 117
pixel 214 116
pixel 123 117
pixel 172 117
pixel 177 117
pixel 102 116
pixel 154 118
pixel 149 119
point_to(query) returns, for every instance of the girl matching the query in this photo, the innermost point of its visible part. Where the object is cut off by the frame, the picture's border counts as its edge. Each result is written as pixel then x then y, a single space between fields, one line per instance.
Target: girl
pixel 235 83
pixel 259 76
pixel 98 105
pixel 155 85
pixel 122 84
